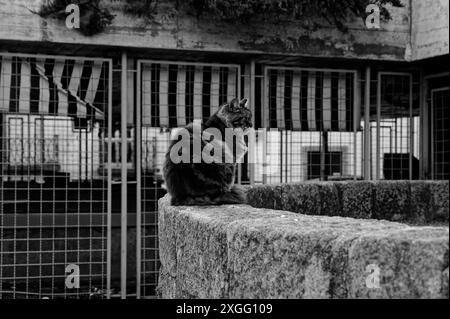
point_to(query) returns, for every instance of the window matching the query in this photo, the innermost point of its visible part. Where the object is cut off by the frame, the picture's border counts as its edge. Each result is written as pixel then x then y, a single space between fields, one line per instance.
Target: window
pixel 333 164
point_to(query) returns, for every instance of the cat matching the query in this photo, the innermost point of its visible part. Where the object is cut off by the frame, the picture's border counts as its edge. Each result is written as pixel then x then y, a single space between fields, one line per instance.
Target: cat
pixel 202 183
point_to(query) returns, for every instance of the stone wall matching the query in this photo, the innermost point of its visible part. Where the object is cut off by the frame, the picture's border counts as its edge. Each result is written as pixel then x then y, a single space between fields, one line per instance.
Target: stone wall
pixel 238 251
pixel 415 202
pixel 429 29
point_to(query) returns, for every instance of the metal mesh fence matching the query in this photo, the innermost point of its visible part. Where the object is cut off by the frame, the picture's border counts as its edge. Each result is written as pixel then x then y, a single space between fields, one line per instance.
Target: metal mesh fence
pixel 53 187
pixel 171 95
pixel 440 133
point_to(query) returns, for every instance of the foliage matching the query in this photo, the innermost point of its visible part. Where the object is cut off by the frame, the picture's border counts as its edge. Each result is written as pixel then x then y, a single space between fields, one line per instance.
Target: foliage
pixel 141 8
pixel 334 11
pixel 94 18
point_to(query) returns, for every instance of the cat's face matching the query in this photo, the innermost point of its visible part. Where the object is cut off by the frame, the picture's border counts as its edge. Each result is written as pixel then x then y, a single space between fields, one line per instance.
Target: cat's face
pixel 235 114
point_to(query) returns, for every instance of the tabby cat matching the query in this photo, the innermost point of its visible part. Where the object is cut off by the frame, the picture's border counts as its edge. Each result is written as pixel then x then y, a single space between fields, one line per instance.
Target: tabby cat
pixel 205 183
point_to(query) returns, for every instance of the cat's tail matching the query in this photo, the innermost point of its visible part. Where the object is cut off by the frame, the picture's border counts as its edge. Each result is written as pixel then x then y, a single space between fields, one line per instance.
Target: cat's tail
pixel 235 196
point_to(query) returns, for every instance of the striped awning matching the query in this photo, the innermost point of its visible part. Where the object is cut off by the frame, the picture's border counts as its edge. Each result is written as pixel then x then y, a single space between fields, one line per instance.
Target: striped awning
pixel 310 100
pixel 174 95
pixel 53 86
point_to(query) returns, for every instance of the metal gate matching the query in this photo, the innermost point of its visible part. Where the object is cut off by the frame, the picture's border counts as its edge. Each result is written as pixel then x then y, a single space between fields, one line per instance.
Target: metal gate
pixel 169 95
pixel 55 187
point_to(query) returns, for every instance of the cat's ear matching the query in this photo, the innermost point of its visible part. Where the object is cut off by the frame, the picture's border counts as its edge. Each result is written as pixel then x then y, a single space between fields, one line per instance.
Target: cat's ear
pixel 234 103
pixel 244 103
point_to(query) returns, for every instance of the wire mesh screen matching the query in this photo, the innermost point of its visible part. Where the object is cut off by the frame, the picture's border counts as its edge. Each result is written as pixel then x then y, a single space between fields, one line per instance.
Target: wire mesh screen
pixel 314 126
pixel 440 133
pixel 172 95
pixel 53 188
pixel 395 128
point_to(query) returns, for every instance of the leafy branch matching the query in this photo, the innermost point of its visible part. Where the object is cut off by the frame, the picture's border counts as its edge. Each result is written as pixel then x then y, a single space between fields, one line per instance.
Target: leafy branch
pixel 94 18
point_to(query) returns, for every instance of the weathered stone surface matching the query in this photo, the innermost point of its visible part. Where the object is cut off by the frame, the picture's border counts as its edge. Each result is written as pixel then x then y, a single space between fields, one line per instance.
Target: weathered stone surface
pixel 445 283
pixel 440 197
pixel 414 202
pixel 301 198
pixel 356 198
pixel 392 200
pixel 330 202
pixel 238 251
pixel 429 28
pixel 421 202
pixel 265 196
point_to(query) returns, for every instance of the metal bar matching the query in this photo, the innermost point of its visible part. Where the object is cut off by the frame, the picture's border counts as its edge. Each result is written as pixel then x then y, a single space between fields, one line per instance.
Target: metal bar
pixel 411 127
pixel 109 191
pixel 432 132
pixel 323 152
pixel 252 109
pixel 265 107
pixel 281 156
pixel 377 174
pixel 124 144
pixel 78 58
pixel 286 151
pixel 356 117
pixel 191 63
pixel 437 75
pixel 238 96
pixel 310 69
pixel 423 127
pixel 264 155
pixel 69 220
pixel 138 181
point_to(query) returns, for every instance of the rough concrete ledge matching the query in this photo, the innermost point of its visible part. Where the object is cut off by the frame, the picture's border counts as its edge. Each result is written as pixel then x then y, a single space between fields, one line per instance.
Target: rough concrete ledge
pixel 237 251
pixel 415 202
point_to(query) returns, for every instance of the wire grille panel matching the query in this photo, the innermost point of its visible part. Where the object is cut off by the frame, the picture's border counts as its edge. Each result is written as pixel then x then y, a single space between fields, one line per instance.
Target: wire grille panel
pixel 314 127
pixel 172 95
pixel 395 126
pixel 441 132
pixel 53 188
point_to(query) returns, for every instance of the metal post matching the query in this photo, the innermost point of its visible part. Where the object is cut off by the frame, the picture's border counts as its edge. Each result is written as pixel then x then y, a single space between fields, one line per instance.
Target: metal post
pixel 323 154
pixel 109 191
pixel 368 131
pixel 264 155
pixel 281 155
pixel 432 134
pixel 378 126
pixel 239 96
pixel 252 109
pixel 124 146
pixel 265 122
pixel 423 133
pixel 138 182
pixel 356 117
pixel 411 127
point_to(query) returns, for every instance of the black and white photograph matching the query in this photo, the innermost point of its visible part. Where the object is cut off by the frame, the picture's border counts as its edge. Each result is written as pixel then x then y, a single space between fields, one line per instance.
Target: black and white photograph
pixel 221 156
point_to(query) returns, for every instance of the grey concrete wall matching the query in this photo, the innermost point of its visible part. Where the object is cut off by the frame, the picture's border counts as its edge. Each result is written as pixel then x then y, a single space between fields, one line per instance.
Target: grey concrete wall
pixel 183 31
pixel 429 30
pixel 415 202
pixel 237 251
